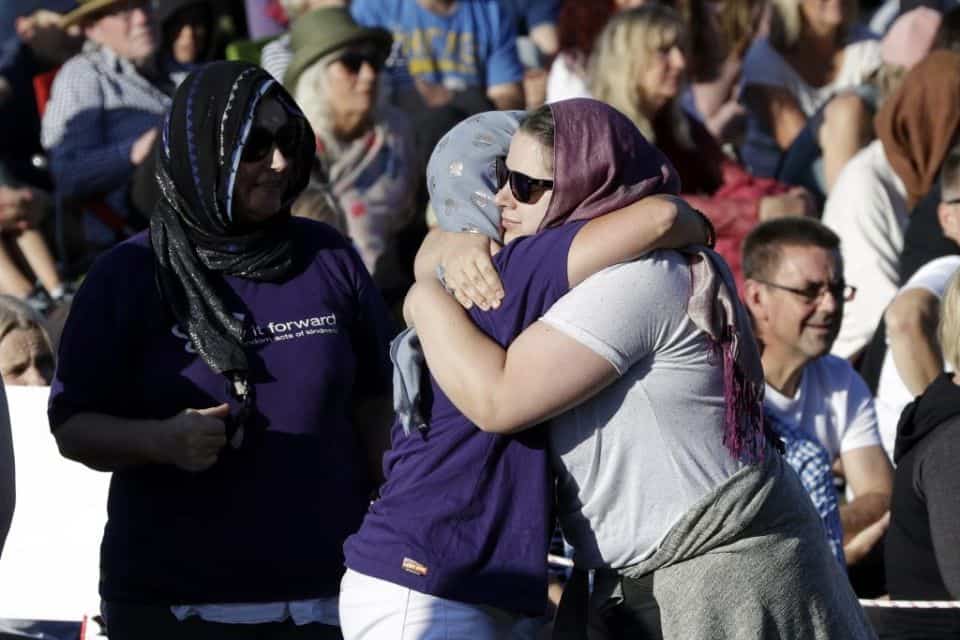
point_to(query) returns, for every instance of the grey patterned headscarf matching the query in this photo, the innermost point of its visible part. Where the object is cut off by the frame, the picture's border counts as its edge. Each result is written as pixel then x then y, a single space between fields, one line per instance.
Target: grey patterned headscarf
pixel 462 183
pixel 194 236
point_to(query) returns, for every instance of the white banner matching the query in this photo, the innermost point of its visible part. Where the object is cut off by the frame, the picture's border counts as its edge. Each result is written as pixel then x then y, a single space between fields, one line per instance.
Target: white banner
pixel 50 565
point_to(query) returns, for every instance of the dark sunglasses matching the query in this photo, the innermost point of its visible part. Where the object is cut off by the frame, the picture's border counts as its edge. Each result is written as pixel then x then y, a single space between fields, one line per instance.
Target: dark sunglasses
pixel 261 141
pixel 354 60
pixel 524 188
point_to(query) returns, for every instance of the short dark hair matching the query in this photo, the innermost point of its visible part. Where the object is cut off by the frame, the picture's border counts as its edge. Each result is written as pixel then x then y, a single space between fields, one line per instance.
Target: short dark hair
pixel 541 127
pixel 761 249
pixel 950 176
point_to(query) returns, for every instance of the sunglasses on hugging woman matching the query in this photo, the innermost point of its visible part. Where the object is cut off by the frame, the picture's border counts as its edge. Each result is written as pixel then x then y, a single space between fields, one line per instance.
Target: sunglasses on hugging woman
pixel 524 188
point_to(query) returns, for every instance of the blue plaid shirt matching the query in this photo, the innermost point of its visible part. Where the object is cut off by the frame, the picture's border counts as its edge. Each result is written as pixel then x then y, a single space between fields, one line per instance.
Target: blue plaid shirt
pixel 810 460
pixel 99 105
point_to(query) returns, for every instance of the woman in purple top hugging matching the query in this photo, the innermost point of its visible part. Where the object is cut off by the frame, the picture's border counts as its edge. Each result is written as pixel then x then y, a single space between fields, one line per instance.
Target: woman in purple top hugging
pixel 455 547
pixel 667 484
pixel 229 366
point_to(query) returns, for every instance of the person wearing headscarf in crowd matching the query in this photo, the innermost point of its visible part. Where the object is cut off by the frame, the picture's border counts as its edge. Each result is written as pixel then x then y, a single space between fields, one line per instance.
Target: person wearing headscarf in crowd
pixel 230 367
pixel 924 239
pixel 186 36
pixel 804 86
pixel 26 352
pixel 916 128
pixel 668 485
pixel 366 171
pixel 921 544
pixel 456 544
pixel 638 66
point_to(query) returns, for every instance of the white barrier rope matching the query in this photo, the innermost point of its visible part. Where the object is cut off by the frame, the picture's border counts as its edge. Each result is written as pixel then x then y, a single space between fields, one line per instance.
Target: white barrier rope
pixel 911 604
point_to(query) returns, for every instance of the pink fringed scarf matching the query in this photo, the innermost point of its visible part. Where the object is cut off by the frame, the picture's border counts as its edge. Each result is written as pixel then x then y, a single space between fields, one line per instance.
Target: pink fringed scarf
pixel 717 311
pixel 603 163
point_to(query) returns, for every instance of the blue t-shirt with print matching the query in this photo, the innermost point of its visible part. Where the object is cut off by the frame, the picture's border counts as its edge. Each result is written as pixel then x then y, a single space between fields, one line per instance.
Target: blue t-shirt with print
pixel 474 46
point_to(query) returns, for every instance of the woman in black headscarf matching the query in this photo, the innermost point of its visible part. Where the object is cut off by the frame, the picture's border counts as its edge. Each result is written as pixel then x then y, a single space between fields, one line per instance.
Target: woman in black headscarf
pixel 229 366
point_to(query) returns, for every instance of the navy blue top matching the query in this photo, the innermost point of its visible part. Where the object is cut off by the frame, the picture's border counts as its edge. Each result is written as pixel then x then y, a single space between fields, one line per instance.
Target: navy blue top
pixel 267 522
pixel 466 515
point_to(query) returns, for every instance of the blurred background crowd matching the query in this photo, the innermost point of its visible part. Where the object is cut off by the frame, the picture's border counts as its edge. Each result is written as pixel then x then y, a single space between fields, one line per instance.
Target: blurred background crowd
pixel 842 113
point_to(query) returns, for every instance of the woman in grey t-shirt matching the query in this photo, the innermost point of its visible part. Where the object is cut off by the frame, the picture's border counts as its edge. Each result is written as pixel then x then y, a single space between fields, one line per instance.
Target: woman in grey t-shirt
pixel 667 485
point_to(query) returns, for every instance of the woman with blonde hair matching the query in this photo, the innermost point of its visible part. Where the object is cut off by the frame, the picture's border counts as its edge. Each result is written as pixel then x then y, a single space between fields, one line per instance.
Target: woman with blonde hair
pixel 639 66
pixel 805 89
pixel 722 32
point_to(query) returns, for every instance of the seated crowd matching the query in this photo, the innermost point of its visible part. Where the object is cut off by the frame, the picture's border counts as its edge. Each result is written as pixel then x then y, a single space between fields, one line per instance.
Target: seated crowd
pixel 818 137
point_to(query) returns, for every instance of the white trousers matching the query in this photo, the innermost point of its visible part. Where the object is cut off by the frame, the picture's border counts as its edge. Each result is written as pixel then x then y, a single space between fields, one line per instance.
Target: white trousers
pixel 374 609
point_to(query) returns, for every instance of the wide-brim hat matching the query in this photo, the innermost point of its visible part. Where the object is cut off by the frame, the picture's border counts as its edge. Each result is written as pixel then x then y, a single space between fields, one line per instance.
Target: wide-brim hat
pixel 323 31
pixel 87 8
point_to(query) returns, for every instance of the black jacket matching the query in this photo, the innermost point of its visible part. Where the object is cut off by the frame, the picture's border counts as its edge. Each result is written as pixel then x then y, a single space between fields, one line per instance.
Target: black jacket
pixel 923 542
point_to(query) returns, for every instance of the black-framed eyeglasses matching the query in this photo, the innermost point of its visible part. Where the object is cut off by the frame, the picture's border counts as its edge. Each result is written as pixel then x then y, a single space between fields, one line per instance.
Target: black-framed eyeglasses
pixel 260 142
pixel 354 59
pixel 524 188
pixel 815 292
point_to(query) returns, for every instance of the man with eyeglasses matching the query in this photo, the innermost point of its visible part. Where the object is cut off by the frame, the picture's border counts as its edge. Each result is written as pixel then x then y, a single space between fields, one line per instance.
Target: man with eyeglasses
pixel 105 106
pixel 794 289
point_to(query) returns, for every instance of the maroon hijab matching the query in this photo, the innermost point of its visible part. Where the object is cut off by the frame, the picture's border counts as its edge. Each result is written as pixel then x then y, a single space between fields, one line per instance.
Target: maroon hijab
pixel 601 163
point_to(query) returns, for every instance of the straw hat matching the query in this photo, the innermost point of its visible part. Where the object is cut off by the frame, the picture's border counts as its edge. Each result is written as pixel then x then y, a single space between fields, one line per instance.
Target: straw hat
pixel 324 31
pixel 87 8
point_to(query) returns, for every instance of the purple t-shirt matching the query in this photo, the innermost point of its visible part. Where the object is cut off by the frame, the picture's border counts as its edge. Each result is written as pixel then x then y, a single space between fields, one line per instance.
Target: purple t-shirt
pixel 266 522
pixel 466 515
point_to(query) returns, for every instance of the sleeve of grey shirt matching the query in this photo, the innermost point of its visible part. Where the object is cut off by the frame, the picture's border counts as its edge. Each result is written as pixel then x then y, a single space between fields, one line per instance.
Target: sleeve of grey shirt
pixel 7 482
pixel 939 481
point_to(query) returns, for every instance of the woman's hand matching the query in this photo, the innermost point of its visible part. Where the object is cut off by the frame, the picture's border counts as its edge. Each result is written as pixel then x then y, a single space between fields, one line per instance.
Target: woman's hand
pixel 468 271
pixel 192 439
pixel 692 226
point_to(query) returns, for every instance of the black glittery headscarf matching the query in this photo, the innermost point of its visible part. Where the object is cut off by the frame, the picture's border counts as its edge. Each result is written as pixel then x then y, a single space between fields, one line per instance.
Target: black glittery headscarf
pixel 193 232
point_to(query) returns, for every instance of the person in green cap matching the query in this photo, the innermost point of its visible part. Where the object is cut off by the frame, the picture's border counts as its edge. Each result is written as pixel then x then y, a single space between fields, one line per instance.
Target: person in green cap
pixel 276 55
pixel 366 173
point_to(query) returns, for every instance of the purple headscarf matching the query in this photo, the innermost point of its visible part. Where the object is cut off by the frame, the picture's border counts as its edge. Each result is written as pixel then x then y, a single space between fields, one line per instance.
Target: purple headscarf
pixel 601 163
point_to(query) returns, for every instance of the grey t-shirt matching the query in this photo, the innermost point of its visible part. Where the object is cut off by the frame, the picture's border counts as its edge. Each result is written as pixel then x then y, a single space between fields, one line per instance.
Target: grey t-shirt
pixel 634 458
